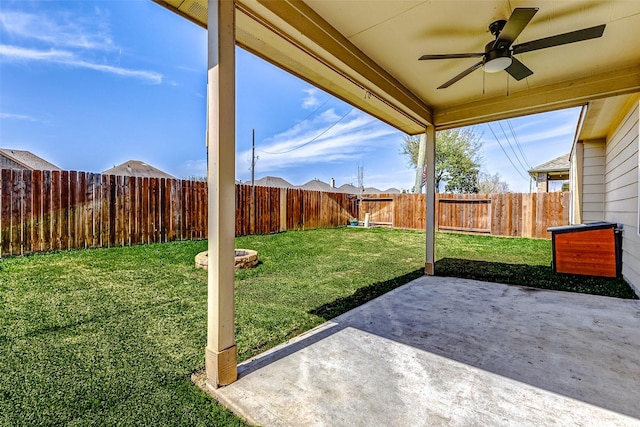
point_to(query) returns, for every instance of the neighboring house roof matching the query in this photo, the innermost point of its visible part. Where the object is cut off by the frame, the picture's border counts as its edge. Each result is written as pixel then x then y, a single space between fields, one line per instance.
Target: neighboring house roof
pixel 372 190
pixel 349 189
pixel 560 164
pixel 28 160
pixel 317 185
pixel 137 168
pixel 273 181
pixel 392 190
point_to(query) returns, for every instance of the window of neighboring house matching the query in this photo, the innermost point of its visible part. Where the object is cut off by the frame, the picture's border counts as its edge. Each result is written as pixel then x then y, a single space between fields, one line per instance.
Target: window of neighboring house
pixel 558 185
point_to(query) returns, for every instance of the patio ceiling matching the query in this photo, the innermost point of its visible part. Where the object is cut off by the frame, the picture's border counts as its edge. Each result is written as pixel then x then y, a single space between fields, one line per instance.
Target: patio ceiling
pixel 366 53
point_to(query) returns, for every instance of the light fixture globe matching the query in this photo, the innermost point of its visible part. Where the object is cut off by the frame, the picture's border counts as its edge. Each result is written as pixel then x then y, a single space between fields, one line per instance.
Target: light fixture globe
pixel 497 57
pixel 497 64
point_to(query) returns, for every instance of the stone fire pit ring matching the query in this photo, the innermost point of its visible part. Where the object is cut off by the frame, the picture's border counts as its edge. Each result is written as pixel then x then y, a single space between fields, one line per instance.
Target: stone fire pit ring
pixel 244 258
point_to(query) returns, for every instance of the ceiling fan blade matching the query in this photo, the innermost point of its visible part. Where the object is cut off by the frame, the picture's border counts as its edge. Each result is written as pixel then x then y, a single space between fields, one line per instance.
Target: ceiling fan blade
pixel 460 76
pixel 518 70
pixel 560 39
pixel 514 26
pixel 451 55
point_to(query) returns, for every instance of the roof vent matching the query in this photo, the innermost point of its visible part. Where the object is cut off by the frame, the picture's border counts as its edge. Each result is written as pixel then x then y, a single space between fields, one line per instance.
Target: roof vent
pixel 199 11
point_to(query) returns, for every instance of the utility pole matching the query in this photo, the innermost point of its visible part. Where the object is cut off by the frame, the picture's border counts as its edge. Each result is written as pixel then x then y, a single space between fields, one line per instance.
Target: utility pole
pixel 253 155
pixel 252 214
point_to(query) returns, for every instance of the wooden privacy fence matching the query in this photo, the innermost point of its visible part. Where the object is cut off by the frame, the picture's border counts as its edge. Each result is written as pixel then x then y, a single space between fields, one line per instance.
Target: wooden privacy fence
pixel 281 209
pixel 50 210
pixel 504 214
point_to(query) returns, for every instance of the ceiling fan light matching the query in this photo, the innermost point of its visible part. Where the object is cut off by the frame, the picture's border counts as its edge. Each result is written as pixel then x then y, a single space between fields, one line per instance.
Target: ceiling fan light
pixel 497 64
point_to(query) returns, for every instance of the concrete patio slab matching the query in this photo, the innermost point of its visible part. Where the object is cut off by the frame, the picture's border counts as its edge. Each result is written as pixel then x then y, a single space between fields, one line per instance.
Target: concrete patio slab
pixel 443 351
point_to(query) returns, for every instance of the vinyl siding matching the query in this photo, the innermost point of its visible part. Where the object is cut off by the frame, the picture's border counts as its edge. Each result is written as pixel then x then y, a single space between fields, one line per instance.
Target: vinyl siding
pixel 621 190
pixel 575 183
pixel 593 181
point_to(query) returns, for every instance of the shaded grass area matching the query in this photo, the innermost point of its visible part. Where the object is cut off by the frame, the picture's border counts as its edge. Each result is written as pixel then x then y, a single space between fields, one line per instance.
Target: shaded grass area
pixel 525 262
pixel 362 295
pixel 537 276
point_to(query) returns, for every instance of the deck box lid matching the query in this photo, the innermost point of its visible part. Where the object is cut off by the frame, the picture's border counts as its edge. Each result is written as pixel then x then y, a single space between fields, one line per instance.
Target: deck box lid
pixel 599 225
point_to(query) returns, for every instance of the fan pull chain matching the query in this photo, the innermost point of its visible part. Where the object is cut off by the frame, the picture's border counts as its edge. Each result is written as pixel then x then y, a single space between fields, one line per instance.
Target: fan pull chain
pixel 483 77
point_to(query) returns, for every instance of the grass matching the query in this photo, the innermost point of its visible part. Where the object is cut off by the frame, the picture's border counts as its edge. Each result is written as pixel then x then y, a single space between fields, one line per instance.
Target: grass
pixel 111 336
pixel 307 277
pixel 104 337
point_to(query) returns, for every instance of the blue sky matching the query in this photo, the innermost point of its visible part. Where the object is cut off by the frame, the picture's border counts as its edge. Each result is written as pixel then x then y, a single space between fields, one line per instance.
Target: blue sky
pixel 90 84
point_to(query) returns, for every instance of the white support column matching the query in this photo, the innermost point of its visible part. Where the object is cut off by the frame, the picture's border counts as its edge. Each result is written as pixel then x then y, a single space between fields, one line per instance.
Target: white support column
pixel 420 164
pixel 221 358
pixel 430 149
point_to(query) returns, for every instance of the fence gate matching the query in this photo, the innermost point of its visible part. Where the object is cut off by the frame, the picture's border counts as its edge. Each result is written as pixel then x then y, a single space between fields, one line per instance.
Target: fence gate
pixel 381 210
pixel 468 212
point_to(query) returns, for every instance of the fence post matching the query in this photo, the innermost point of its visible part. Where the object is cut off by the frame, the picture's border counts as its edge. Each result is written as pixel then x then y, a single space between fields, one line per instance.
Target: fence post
pixel 252 211
pixel 283 209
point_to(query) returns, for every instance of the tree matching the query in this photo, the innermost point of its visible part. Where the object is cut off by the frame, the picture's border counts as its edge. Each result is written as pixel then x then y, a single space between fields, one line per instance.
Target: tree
pixel 457 158
pixel 488 184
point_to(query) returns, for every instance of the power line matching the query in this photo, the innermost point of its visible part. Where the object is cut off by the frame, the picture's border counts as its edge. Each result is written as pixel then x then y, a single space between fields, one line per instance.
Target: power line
pixel 314 138
pixel 253 140
pixel 511 147
pixel 524 157
pixel 316 110
pixel 505 153
pixel 306 118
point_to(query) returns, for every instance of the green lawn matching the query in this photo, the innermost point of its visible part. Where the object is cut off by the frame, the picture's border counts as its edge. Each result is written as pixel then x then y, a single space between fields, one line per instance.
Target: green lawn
pixel 111 336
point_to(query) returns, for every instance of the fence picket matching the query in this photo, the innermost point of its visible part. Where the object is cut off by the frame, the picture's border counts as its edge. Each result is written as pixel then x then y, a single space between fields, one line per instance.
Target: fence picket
pixel 36 212
pixel 27 213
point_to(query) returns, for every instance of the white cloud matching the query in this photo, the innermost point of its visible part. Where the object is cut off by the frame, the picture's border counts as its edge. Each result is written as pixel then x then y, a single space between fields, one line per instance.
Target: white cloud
pixel 62 57
pixel 541 137
pixel 74 32
pixel 10 116
pixel 150 76
pixel 311 100
pixel 64 39
pixel 20 53
pixel 532 137
pixel 348 140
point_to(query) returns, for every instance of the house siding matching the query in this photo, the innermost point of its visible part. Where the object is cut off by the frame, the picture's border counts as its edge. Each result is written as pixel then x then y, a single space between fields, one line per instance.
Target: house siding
pixel 621 190
pixel 9 164
pixel 593 181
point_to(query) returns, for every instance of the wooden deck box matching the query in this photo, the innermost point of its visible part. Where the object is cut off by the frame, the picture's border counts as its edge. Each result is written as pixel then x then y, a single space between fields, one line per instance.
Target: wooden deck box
pixel 593 249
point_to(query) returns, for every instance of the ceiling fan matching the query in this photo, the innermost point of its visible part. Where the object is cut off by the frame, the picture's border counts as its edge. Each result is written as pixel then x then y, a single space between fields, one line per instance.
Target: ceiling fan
pixel 498 54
